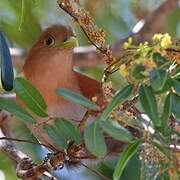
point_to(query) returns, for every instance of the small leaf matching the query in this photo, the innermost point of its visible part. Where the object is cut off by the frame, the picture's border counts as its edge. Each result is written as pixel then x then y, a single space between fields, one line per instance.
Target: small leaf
pixel 94 139
pixel 148 102
pixel 56 136
pixel 119 97
pixel 7 74
pixel 69 131
pixel 77 98
pixel 176 85
pixel 125 156
pixel 165 115
pixel 158 79
pixel 159 60
pixel 137 72
pixel 15 110
pixel 176 105
pixel 30 96
pixel 118 132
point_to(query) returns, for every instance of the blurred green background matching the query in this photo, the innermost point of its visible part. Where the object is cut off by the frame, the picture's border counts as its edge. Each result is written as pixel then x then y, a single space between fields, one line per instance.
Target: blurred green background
pixel 22 22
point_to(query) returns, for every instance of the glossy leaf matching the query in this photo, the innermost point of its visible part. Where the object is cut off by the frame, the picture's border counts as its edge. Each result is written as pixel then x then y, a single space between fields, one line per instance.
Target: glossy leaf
pixel 56 136
pixel 7 74
pixel 148 102
pixel 166 113
pixel 158 79
pixel 77 98
pixel 125 156
pixel 69 131
pixel 119 98
pixel 30 96
pixel 176 85
pixel 118 132
pixel 94 139
pixel 176 105
pixel 15 110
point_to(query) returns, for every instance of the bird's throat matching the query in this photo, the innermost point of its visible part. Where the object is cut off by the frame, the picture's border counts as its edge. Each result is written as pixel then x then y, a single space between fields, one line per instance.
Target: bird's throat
pixel 51 74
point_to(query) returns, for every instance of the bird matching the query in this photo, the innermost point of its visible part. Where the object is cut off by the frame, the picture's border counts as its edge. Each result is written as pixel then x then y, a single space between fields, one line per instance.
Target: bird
pixel 49 66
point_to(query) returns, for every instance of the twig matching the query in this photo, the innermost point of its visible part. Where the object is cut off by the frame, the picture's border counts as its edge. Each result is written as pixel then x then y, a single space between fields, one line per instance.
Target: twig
pixel 22 161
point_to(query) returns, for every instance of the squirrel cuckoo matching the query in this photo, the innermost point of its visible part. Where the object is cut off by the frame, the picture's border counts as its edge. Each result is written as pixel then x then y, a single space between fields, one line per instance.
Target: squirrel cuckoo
pixel 49 67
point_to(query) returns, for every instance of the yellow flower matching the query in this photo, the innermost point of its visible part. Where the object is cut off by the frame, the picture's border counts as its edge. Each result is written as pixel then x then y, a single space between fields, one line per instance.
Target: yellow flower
pixel 123 70
pixel 128 44
pixel 143 49
pixel 157 37
pixel 166 41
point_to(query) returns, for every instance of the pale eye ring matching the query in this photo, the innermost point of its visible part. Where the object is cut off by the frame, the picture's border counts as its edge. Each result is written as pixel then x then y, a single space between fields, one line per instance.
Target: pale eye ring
pixel 49 41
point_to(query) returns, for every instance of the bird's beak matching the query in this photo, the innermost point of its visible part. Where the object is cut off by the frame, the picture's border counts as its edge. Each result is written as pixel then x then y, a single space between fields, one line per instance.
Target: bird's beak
pixel 70 43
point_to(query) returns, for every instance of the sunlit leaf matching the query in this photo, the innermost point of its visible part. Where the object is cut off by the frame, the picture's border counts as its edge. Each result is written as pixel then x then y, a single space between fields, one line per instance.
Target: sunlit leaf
pixel 7 74
pixel 148 102
pixel 94 139
pixel 119 98
pixel 56 136
pixel 115 130
pixel 125 156
pixel 69 131
pixel 77 98
pixel 15 110
pixel 30 96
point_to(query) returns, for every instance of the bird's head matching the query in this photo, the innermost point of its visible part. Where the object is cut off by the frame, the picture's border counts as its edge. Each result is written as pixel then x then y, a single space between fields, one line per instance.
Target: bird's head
pixel 56 41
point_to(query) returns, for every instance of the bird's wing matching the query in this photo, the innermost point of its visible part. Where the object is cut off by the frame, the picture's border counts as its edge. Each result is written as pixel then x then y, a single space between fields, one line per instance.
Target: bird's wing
pixel 91 88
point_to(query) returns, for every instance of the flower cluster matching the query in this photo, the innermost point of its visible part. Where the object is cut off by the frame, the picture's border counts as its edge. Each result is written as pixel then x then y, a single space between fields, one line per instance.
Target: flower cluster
pixel 163 40
pixel 128 44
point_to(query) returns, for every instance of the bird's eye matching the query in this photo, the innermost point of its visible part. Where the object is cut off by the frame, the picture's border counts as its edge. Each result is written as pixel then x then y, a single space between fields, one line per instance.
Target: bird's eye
pixel 65 39
pixel 49 41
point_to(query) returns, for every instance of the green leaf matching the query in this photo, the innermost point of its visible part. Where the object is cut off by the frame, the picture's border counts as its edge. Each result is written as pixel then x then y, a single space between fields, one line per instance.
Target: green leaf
pixel 137 72
pixel 30 96
pixel 165 115
pixel 69 131
pixel 15 110
pixel 77 98
pixel 7 74
pixel 148 102
pixel 94 139
pixel 176 105
pixel 118 132
pixel 167 86
pixel 125 156
pixel 119 97
pixel 159 60
pixel 158 78
pixel 176 85
pixel 56 136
